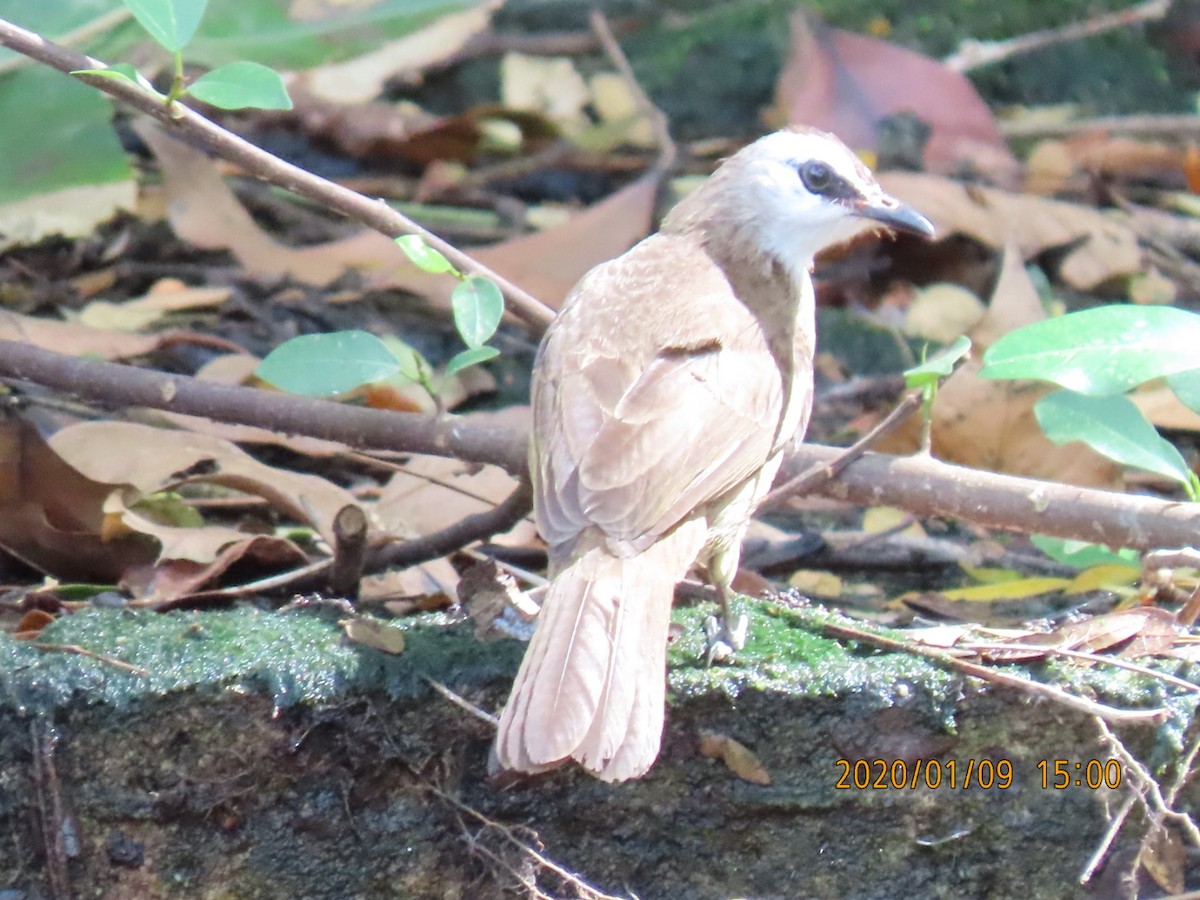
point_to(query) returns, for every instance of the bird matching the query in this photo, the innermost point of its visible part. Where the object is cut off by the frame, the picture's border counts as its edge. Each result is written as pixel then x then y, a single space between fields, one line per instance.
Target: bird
pixel 664 396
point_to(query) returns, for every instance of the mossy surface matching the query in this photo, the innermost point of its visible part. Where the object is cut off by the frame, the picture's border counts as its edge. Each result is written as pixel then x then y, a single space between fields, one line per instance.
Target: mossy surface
pixel 264 756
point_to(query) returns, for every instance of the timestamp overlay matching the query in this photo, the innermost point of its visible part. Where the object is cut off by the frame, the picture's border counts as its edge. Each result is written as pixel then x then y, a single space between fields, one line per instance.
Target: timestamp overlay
pixel 960 774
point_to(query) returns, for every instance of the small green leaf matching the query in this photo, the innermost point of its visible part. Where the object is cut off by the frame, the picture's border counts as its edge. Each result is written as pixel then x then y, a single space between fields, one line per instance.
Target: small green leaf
pixel 478 307
pixel 1107 350
pixel 1113 427
pixel 121 72
pixel 1081 554
pixel 411 364
pixel 1186 386
pixel 470 357
pixel 423 256
pixel 930 371
pixel 321 365
pixel 170 22
pixel 242 85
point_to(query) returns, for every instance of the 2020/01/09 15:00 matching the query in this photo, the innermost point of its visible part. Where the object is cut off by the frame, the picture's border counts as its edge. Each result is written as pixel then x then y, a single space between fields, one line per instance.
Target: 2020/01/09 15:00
pixel 952 774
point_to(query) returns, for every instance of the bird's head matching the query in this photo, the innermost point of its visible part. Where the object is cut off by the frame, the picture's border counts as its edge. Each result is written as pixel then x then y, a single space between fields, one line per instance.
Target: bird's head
pixel 797 191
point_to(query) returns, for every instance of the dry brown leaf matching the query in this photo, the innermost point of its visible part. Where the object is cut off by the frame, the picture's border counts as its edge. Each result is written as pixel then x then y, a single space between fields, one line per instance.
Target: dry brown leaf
pixel 75 338
pixel 154 459
pixel 847 83
pixel 738 758
pixel 435 492
pixel 1107 246
pixel 172 580
pixel 168 296
pixel 363 77
pixel 497 606
pixel 204 212
pixel 548 263
pixel 51 515
pixel 32 624
pixel 1014 303
pixel 988 424
pixel 374 633
pixel 1164 858
pixel 1159 404
pixel 942 311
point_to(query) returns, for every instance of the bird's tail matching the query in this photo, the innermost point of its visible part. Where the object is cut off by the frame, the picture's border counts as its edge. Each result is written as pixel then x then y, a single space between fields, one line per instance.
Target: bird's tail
pixel 591 686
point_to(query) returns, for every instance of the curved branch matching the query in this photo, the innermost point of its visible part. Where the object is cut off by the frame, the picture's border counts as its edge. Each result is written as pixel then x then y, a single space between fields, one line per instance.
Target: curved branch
pixel 113 385
pixel 918 484
pixel 925 486
pixel 195 129
pixel 467 530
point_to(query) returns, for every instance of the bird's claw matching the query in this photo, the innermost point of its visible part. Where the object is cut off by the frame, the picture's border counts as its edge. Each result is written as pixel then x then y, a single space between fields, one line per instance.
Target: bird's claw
pixel 722 640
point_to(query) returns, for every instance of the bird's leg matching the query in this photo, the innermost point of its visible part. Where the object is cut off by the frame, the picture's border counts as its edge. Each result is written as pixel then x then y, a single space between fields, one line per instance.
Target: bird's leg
pixel 726 636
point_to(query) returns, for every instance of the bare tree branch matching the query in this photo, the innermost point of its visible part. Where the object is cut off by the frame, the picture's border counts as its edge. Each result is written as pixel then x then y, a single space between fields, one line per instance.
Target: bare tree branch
pixel 115 386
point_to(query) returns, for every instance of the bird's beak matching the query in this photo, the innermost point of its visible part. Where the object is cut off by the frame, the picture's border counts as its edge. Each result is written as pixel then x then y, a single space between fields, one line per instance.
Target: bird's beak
pixel 896 215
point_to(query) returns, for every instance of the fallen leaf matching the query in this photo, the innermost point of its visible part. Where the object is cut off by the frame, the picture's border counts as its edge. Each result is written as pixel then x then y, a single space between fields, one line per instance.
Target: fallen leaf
pixel 75 338
pixel 166 297
pixel 1097 246
pixel 32 624
pixel 940 312
pixel 170 581
pixel 374 633
pixel 549 85
pixel 364 77
pixel 435 492
pixel 738 758
pixel 51 515
pixel 203 211
pixel 849 83
pixel 817 584
pixel 155 459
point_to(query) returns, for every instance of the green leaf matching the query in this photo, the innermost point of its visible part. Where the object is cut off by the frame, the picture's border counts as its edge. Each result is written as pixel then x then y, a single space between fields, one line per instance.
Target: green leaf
pixel 423 256
pixel 321 365
pixel 1113 427
pixel 1081 554
pixel 170 22
pixel 470 357
pixel 121 72
pixel 242 85
pixel 478 307
pixel 412 366
pixel 1107 350
pixel 931 371
pixel 1186 386
pixel 62 167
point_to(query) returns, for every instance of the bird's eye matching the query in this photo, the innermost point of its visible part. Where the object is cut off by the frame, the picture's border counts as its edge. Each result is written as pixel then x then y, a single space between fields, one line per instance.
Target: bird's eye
pixel 817 176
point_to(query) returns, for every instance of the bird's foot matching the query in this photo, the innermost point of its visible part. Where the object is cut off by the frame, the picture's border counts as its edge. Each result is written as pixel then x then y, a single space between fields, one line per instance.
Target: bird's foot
pixel 722 640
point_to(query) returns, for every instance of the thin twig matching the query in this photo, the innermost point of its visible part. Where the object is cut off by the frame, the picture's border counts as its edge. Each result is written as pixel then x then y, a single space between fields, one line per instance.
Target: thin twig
pixel 122 386
pixel 466 531
pixel 977 646
pixel 540 859
pixel 1110 834
pixel 92 654
pixel 667 151
pixel 973 54
pixel 813 478
pixel 462 702
pixel 1150 791
pixel 1058 695
pixel 270 583
pixel 189 125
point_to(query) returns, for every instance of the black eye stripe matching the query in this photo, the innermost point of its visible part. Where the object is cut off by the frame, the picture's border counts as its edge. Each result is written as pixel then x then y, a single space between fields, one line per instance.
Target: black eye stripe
pixel 819 178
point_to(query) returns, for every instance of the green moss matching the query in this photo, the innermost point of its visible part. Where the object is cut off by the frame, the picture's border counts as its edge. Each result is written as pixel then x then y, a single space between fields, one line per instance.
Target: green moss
pixel 298 656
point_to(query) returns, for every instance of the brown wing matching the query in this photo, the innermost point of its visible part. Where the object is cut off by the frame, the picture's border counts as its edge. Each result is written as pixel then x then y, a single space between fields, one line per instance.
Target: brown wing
pixel 634 432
